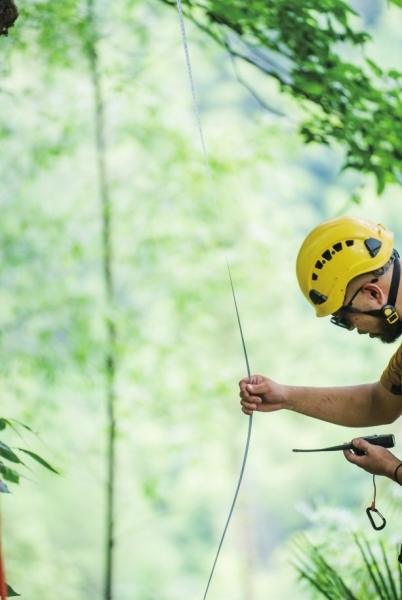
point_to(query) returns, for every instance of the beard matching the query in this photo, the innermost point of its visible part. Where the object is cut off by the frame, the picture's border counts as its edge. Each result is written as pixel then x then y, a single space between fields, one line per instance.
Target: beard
pixel 389 333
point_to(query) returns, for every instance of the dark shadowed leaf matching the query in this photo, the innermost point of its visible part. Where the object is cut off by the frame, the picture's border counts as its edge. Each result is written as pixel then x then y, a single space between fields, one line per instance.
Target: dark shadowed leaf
pixel 7 453
pixel 3 488
pixel 9 474
pixel 10 592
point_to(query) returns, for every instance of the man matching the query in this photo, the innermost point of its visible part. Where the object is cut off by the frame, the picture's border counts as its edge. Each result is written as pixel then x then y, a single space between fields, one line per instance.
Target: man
pixel 347 267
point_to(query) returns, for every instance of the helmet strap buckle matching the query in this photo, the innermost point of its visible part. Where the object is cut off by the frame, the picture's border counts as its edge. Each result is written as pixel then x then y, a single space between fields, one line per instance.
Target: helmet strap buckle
pixel 390 313
pixel 389 310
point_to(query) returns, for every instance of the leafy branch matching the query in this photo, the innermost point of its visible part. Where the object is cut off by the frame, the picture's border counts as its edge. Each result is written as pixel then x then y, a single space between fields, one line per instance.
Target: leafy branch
pixel 10 474
pixel 355 105
pixel 8 454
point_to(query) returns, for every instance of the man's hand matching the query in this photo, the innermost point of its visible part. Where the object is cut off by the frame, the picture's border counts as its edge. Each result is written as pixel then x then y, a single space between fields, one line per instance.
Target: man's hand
pixel 376 460
pixel 262 394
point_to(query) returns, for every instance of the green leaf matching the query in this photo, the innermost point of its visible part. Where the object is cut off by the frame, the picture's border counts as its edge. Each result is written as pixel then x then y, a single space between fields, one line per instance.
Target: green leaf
pixel 375 68
pixel 8 454
pixel 22 425
pixel 9 474
pixel 10 592
pixel 394 74
pixel 4 423
pixel 380 183
pixel 39 460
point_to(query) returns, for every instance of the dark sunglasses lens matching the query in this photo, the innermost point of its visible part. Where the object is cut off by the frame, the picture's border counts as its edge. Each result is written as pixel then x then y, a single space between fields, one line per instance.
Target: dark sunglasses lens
pixel 341 321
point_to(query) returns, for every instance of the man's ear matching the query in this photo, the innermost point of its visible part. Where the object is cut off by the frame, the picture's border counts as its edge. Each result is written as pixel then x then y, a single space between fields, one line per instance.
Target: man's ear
pixel 373 292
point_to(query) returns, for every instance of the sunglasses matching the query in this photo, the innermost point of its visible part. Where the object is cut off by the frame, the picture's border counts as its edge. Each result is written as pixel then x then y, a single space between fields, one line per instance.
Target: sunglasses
pixel 340 319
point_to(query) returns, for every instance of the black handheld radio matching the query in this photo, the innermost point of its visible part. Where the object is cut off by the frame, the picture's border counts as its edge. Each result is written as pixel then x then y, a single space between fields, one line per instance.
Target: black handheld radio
pixel 386 441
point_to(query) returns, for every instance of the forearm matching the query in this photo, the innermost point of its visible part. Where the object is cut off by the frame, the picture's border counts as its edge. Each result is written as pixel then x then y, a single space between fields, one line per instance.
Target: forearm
pixel 363 405
pixel 352 406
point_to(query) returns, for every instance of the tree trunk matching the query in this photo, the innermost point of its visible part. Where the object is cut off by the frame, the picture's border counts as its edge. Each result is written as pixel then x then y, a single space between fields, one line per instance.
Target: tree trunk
pixel 110 354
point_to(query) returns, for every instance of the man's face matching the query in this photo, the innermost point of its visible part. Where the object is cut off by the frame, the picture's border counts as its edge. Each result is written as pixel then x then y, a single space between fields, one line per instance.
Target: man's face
pixel 375 327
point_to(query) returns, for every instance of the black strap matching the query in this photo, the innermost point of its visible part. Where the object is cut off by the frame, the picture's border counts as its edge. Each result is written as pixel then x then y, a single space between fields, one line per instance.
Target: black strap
pixel 396 275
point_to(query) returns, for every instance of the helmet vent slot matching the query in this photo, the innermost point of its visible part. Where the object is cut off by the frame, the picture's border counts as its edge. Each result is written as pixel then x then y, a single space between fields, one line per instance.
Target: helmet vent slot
pixel 318 264
pixel 314 277
pixel 327 255
pixel 317 298
pixel 337 247
pixel 349 243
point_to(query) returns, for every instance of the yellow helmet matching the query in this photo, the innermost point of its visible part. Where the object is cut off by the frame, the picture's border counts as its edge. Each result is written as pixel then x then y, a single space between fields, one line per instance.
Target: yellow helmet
pixel 334 253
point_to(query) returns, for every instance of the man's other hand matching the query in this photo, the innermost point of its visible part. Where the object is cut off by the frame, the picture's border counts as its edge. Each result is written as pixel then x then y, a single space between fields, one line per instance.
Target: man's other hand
pixel 260 394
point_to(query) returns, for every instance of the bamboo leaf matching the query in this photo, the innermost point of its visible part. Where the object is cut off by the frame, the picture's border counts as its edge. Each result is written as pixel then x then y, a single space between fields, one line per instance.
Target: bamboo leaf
pixel 372 567
pixel 320 574
pixel 7 453
pixel 311 579
pixel 10 592
pixel 391 581
pixel 9 474
pixel 21 424
pixel 39 460
pixel 378 570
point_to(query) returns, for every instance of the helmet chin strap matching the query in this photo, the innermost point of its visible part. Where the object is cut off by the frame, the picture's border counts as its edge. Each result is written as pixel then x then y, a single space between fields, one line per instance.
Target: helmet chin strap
pixel 388 311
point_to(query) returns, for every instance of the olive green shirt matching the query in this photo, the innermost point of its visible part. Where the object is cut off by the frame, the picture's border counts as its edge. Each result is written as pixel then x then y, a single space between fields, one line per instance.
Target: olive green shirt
pixel 391 379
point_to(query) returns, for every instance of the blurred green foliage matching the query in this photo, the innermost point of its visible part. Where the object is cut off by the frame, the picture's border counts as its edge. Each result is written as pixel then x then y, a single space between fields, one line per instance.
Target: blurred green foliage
pixel 336 560
pixel 379 576
pixel 180 431
pixel 317 53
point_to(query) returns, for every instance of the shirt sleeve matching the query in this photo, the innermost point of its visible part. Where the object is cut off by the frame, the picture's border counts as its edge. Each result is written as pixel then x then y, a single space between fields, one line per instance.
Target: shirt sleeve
pixel 391 378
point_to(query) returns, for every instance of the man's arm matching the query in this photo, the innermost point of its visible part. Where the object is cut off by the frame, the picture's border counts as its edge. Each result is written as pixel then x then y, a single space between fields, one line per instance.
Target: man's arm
pixel 352 406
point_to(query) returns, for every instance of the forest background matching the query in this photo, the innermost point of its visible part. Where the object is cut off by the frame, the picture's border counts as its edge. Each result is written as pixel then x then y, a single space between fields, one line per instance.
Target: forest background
pixel 158 344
